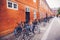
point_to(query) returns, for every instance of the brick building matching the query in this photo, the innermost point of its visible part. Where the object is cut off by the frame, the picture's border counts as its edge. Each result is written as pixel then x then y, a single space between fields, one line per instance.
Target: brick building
pixel 15 11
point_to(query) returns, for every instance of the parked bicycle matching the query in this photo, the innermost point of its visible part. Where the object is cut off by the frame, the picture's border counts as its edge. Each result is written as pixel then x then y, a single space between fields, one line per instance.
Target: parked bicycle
pixel 23 33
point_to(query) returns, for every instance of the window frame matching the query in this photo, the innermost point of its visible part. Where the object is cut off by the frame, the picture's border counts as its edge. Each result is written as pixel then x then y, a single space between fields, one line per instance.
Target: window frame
pixel 35 15
pixel 27 9
pixel 34 1
pixel 12 5
pixel 8 4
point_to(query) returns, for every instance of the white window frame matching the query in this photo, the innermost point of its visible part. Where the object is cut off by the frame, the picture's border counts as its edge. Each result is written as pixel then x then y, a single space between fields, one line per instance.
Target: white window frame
pixel 41 14
pixel 9 0
pixel 27 9
pixel 35 16
pixel 34 1
pixel 7 4
pixel 12 5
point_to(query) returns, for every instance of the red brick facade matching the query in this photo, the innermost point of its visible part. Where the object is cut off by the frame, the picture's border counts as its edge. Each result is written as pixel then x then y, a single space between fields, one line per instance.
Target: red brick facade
pixel 9 17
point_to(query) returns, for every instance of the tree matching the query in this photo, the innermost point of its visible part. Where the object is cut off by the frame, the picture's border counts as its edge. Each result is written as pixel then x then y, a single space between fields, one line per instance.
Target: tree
pixel 59 11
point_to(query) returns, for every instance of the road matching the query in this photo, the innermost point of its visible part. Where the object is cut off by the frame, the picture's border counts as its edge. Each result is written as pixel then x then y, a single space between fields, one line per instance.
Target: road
pixel 53 32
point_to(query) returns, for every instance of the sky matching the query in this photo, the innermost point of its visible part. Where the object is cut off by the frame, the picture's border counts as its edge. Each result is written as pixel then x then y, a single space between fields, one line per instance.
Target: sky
pixel 53 3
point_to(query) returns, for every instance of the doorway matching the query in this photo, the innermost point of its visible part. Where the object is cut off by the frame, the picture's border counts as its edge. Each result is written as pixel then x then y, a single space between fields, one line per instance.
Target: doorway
pixel 27 17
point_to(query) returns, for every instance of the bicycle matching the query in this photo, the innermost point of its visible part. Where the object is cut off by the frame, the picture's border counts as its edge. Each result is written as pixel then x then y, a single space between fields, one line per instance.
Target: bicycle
pixel 27 35
pixel 37 29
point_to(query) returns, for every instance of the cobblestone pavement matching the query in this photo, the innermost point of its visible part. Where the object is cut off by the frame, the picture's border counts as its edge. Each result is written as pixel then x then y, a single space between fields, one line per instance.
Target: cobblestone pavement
pixel 37 36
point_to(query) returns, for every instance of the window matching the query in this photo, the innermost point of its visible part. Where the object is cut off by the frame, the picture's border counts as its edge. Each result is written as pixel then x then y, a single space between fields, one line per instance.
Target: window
pixel 34 14
pixel 27 9
pixel 12 5
pixel 15 5
pixel 34 1
pixel 9 0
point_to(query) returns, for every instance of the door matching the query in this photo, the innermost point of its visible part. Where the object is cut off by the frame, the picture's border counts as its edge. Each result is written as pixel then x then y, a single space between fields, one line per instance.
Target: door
pixel 27 17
